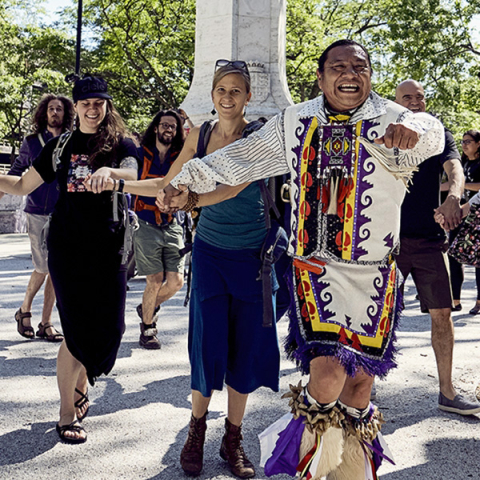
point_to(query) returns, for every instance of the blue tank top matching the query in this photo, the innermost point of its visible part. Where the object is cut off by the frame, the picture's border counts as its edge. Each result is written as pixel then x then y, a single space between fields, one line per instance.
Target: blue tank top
pixel 235 223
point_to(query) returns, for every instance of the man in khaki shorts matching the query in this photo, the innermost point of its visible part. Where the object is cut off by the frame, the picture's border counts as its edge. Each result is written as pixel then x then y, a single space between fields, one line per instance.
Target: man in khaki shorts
pixel 159 238
pixel 53 116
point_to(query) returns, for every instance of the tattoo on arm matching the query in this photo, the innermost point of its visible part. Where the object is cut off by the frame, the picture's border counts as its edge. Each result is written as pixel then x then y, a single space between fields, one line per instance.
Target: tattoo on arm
pixel 129 162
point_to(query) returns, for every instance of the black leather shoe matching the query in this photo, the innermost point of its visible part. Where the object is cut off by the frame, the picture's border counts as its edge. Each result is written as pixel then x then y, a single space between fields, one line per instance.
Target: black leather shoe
pixel 475 310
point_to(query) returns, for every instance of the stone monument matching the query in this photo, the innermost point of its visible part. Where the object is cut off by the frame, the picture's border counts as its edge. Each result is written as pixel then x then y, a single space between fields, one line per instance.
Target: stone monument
pixel 249 30
pixel 12 216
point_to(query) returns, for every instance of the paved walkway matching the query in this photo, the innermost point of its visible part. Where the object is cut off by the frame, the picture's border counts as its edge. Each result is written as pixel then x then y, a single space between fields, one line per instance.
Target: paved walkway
pixel 139 415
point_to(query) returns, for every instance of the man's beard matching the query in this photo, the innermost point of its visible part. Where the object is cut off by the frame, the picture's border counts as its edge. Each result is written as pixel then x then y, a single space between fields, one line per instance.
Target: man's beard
pixel 164 140
pixel 54 122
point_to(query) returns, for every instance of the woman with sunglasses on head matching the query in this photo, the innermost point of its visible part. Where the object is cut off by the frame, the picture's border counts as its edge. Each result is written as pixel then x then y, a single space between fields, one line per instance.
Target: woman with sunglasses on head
pixel 471 169
pixel 85 244
pixel 227 342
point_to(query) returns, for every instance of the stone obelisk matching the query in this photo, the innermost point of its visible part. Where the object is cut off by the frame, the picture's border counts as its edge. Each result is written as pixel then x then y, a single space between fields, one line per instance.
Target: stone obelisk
pixel 249 30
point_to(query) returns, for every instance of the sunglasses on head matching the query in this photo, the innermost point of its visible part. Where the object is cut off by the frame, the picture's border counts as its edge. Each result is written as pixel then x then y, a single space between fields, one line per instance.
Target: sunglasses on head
pixel 235 64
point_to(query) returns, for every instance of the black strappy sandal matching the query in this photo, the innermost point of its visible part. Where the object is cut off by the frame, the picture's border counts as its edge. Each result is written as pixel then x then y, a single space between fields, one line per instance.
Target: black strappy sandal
pixel 24 331
pixel 81 402
pixel 72 427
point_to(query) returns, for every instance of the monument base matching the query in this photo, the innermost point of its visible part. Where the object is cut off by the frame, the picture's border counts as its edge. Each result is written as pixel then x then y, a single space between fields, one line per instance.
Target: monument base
pixel 12 216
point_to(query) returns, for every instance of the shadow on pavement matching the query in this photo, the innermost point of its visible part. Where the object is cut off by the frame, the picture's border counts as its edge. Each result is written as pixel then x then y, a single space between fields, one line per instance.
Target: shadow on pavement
pixel 438 452
pixel 27 443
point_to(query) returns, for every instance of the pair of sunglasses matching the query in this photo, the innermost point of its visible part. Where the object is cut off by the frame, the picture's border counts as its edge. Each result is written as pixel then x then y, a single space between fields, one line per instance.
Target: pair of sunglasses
pixel 235 64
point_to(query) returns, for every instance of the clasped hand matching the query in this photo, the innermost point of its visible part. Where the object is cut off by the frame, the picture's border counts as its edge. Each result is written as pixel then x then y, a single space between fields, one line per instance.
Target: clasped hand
pixel 99 181
pixel 171 199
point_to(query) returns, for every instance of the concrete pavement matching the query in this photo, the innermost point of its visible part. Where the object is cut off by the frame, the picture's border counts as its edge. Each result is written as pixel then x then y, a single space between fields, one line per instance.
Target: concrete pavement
pixel 138 419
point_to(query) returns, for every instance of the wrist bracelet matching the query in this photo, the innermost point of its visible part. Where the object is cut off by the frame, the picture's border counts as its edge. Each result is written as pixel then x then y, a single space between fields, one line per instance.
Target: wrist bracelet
pixel 121 184
pixel 191 202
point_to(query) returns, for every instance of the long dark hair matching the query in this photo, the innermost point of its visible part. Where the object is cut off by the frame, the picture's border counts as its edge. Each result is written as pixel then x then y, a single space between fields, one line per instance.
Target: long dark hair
pixel 40 120
pixel 475 134
pixel 149 137
pixel 104 143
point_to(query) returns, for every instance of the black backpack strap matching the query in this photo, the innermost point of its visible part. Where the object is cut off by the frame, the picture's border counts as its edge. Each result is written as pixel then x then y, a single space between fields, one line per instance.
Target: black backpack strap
pixel 189 283
pixel 203 138
pixel 266 255
pixel 268 200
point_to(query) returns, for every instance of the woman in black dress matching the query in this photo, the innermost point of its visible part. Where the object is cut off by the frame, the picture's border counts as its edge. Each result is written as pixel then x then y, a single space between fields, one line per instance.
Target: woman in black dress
pixel 471 169
pixel 85 244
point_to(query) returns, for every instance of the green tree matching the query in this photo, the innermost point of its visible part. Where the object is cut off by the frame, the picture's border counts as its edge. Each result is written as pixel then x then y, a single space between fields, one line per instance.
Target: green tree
pixel 34 59
pixel 146 51
pixel 428 40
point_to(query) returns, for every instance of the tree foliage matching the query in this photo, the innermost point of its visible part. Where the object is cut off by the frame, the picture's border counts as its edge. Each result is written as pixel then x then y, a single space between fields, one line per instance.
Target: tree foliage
pixel 427 40
pixel 145 48
pixel 33 59
pixel 146 51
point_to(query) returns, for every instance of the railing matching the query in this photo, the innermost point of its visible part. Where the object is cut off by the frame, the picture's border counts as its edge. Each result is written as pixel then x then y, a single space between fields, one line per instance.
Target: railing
pixel 4 168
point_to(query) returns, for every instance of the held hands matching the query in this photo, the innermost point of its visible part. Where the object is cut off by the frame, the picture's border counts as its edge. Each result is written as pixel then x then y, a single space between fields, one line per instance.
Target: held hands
pixel 441 217
pixel 397 135
pixel 170 199
pixel 450 213
pixel 99 181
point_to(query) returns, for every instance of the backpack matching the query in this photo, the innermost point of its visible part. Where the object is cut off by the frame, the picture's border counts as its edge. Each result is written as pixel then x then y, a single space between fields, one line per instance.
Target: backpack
pixel 273 249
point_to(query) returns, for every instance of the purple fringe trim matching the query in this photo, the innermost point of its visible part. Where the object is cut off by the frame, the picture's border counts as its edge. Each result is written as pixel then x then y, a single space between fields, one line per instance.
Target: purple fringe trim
pixel 302 353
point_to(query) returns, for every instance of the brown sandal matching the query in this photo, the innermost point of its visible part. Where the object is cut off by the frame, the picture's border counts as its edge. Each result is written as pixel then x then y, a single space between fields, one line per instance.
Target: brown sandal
pixel 53 337
pixel 24 330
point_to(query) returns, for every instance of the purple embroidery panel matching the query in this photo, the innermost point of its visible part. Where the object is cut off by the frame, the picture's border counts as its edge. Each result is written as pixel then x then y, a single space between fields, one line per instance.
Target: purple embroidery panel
pixel 362 200
pixel 301 134
pixel 337 144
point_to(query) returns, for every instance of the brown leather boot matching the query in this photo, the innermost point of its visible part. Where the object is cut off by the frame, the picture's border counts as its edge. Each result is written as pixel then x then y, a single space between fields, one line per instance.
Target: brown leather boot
pixel 232 451
pixel 191 458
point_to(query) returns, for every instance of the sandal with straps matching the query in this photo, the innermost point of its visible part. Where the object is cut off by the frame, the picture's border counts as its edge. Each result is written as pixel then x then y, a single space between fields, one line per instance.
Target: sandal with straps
pixel 53 337
pixel 81 402
pixel 72 427
pixel 24 330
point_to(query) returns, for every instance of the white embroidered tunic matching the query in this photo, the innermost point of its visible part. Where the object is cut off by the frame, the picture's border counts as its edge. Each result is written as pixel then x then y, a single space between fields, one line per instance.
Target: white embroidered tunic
pixel 345 219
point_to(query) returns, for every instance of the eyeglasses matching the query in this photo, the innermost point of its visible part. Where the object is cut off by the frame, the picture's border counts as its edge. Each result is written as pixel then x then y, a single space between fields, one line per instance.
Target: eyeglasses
pixel 466 142
pixel 168 126
pixel 235 64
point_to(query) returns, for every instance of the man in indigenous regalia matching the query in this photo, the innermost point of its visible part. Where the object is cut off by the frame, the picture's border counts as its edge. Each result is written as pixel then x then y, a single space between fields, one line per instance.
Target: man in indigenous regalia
pixel 350 154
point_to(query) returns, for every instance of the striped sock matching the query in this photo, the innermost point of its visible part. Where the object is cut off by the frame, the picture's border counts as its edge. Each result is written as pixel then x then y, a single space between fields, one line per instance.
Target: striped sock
pixel 323 407
pixel 354 412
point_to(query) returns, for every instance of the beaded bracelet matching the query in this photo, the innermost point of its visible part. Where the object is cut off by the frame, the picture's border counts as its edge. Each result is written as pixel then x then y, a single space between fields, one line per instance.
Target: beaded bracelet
pixel 191 202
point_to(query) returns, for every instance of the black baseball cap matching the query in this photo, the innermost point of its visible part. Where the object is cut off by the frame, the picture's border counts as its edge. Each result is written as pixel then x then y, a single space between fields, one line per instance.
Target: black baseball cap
pixel 90 87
